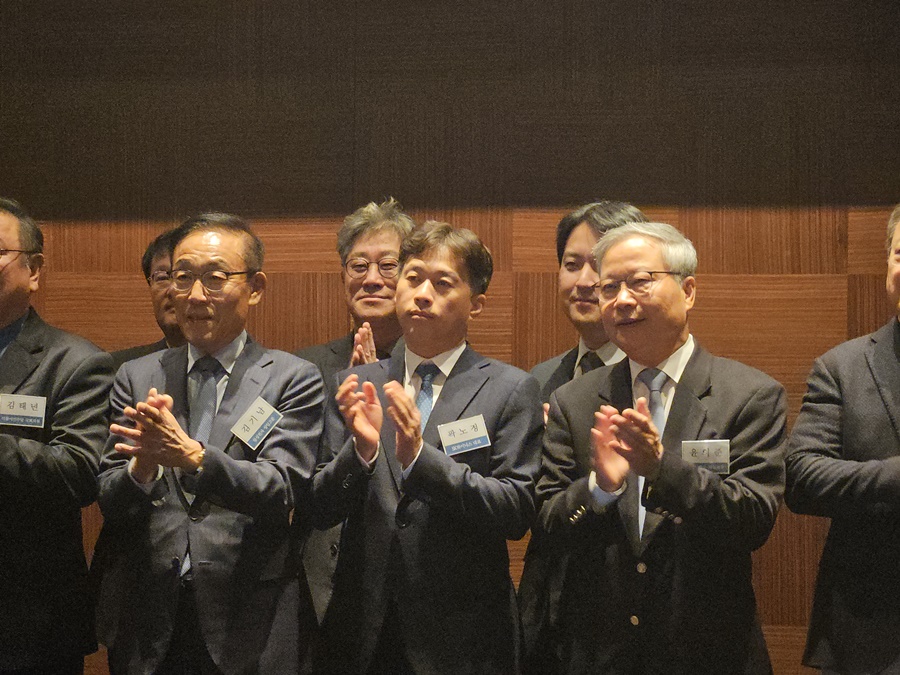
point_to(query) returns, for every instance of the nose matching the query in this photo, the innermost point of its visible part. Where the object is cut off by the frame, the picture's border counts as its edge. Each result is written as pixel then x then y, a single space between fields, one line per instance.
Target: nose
pixel 423 295
pixel 624 296
pixel 373 277
pixel 587 276
pixel 197 292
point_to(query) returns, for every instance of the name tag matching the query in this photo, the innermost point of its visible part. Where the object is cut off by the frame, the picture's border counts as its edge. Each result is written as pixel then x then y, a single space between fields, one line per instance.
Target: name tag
pixel 713 455
pixel 18 410
pixel 255 424
pixel 464 435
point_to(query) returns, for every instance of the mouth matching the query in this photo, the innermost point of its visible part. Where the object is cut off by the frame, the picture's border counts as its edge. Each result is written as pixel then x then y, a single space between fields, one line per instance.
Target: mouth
pixel 420 314
pixel 627 321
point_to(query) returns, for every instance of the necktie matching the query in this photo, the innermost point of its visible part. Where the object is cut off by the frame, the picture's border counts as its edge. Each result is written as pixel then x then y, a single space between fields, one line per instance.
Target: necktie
pixel 655 379
pixel 425 399
pixel 589 361
pixel 203 406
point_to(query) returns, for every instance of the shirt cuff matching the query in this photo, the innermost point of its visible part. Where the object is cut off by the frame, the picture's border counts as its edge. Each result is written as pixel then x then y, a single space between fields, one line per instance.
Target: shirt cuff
pixel 405 473
pixel 601 496
pixel 370 466
pixel 146 487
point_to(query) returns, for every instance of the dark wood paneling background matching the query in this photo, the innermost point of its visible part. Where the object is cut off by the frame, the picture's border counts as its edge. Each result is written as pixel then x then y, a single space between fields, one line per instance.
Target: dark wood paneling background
pixel 767 131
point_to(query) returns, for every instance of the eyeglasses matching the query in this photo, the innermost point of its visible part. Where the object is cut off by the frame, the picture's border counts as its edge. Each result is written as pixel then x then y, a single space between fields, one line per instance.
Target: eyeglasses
pixel 213 281
pixel 6 251
pixel 357 268
pixel 160 278
pixel 638 284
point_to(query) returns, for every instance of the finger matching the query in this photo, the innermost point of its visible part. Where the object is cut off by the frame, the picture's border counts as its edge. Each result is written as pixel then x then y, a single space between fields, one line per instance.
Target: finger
pixel 370 393
pixel 125 449
pixel 347 389
pixel 127 432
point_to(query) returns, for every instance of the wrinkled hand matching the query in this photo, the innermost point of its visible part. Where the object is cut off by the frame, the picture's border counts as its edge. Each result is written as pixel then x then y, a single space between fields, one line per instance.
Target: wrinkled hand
pixel 610 467
pixel 637 439
pixel 408 421
pixel 157 438
pixel 363 346
pixel 362 414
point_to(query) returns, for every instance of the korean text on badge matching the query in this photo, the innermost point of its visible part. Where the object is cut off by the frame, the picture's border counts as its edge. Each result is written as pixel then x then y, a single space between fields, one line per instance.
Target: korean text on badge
pixel 255 424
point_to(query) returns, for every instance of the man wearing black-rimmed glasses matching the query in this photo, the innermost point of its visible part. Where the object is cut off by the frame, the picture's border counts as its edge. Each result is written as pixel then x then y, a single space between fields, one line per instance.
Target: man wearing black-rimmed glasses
pixel 53 392
pixel 210 456
pixel 156 264
pixel 368 244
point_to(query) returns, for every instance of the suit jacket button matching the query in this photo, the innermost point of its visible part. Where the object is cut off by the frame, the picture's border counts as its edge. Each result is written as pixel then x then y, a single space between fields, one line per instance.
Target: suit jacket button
pixel 334 550
pixel 634 620
pixel 677 520
pixel 194 517
pixel 347 482
pixel 641 567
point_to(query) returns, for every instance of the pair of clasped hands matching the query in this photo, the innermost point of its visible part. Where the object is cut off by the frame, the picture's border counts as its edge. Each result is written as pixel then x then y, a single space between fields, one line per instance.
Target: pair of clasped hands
pixel 624 441
pixel 362 411
pixel 157 438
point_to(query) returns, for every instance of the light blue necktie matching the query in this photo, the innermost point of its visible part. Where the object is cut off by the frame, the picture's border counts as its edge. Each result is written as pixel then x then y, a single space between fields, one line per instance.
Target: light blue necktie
pixel 425 399
pixel 655 379
pixel 204 404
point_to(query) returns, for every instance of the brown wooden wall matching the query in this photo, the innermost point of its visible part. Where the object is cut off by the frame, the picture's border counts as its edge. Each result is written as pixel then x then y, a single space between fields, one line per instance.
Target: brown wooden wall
pixel 766 130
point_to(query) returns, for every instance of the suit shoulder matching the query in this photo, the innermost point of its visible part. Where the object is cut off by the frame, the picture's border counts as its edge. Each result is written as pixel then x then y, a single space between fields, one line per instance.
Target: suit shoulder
pixel 285 361
pixel 741 376
pixel 316 353
pixel 75 345
pixel 543 370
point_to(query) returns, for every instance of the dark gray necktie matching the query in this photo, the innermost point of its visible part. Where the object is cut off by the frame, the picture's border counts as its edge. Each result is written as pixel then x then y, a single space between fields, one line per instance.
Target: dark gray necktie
pixel 589 362
pixel 425 399
pixel 204 403
pixel 655 380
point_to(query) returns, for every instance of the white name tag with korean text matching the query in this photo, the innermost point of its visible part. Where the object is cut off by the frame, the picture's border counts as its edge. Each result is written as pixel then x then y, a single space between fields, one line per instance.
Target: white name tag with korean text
pixel 713 455
pixel 256 423
pixel 464 435
pixel 18 410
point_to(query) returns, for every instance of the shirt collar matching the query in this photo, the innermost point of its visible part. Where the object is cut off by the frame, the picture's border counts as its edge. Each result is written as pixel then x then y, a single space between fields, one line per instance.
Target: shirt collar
pixel 673 365
pixel 608 353
pixel 444 361
pixel 225 356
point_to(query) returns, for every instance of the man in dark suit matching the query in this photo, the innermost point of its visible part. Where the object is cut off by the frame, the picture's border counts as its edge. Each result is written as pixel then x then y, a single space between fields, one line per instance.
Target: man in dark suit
pixel 156 264
pixel 53 393
pixel 369 246
pixel 210 457
pixel 844 464
pixel 431 494
pixel 660 476
pixel 576 235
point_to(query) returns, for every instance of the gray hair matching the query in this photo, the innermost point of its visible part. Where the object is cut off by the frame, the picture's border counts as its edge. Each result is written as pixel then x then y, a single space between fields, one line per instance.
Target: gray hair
pixel 369 219
pixel 892 225
pixel 677 250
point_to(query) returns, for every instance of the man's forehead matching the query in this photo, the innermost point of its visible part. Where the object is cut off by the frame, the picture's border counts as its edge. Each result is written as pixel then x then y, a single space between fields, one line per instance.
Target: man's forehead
pixel 210 244
pixel 633 247
pixel 384 239
pixel 440 260
pixel 9 230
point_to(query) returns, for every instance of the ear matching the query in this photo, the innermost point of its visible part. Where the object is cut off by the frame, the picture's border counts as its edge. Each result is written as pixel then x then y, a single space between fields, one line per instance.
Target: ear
pixel 689 287
pixel 477 305
pixel 35 265
pixel 257 286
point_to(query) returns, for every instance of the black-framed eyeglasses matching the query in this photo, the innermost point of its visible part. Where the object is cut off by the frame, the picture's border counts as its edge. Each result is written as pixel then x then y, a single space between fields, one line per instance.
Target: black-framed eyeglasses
pixel 213 281
pixel 160 278
pixel 638 284
pixel 357 268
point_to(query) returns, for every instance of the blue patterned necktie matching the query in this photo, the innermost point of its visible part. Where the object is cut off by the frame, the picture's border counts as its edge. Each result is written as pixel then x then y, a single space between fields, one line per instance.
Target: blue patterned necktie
pixel 425 399
pixel 655 379
pixel 204 403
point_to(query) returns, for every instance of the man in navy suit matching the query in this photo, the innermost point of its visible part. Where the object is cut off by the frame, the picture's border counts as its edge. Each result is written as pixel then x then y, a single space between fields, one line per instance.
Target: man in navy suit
pixel 660 476
pixel 844 464
pixel 211 454
pixel 576 235
pixel 156 264
pixel 430 457
pixel 53 392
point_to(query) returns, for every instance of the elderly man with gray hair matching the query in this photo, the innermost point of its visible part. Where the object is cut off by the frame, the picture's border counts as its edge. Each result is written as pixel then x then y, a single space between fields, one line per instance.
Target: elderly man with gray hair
pixel 661 475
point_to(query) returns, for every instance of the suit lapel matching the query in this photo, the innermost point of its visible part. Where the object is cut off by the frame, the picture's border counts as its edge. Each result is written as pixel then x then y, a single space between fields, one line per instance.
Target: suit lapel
pixel 564 372
pixel 23 354
pixel 385 371
pixel 244 386
pixel 466 380
pixel 883 357
pixel 686 419
pixel 174 368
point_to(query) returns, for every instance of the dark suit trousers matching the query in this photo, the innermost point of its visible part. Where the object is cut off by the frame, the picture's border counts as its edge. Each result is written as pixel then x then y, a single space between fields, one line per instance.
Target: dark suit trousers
pixel 71 666
pixel 187 653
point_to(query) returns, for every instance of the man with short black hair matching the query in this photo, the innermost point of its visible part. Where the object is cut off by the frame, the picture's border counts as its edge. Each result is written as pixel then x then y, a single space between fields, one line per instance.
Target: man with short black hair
pixel 576 235
pixel 431 494
pixel 210 458
pixel 156 264
pixel 53 393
